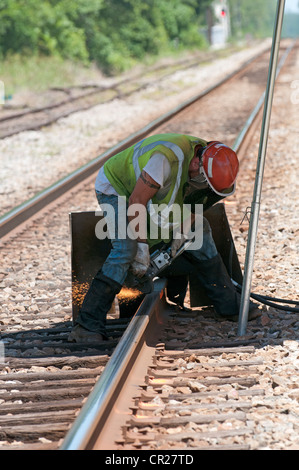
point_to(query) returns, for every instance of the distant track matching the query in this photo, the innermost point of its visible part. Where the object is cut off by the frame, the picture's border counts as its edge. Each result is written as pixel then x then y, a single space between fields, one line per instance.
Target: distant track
pixel 39 361
pixel 78 99
pixel 17 216
pixel 151 364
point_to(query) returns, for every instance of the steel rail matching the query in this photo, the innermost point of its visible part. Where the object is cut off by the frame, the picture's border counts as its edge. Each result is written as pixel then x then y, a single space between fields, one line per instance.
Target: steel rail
pixel 17 216
pixel 258 108
pixel 97 89
pixel 100 89
pixel 102 398
pixel 104 394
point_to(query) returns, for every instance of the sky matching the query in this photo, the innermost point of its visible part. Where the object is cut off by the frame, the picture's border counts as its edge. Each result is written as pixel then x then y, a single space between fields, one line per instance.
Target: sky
pixel 292 5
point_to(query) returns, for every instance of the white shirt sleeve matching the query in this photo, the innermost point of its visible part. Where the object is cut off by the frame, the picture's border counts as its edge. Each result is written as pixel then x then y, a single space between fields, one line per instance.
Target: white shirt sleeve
pixel 158 168
pixel 103 185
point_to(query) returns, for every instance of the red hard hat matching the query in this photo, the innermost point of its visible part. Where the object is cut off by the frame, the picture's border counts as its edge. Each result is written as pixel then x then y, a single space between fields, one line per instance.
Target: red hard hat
pixel 220 165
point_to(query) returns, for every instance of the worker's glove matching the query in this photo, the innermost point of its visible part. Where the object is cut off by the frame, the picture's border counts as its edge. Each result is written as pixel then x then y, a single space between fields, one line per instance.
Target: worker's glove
pixel 176 244
pixel 142 260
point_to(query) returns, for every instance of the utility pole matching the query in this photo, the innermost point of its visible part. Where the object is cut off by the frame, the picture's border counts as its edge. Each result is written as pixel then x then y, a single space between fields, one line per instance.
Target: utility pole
pixel 255 206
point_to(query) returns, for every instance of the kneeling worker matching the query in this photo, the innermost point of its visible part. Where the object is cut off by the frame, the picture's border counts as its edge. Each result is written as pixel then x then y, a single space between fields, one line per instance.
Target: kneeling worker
pixel 163 169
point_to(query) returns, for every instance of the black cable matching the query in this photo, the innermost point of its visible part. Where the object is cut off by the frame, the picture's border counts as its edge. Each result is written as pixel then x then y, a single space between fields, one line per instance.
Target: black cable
pixel 282 301
pixel 262 300
pixel 271 301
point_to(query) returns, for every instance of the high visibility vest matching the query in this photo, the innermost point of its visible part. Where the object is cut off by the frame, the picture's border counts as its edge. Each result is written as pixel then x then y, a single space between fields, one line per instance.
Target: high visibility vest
pixel 123 169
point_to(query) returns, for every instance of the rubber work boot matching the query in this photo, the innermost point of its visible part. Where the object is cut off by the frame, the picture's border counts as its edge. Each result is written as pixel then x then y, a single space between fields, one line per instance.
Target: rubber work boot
pixel 253 313
pixel 96 305
pixel 217 283
pixel 176 291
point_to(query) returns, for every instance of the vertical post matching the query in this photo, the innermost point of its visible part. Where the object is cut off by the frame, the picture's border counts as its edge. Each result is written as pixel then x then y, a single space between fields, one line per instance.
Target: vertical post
pixel 255 206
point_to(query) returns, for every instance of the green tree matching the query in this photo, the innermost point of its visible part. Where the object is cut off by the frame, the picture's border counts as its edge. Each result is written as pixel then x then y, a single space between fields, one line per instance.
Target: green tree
pixel 291 25
pixel 32 26
pixel 255 17
pixel 113 33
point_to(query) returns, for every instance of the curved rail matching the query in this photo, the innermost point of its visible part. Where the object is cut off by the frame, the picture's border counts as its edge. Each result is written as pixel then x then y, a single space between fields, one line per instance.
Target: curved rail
pixel 46 119
pixel 103 397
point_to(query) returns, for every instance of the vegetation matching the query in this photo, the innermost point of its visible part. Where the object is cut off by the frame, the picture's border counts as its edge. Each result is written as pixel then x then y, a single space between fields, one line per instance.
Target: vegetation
pixel 113 33
pixel 246 21
pixel 254 18
pixel 60 42
pixel 290 25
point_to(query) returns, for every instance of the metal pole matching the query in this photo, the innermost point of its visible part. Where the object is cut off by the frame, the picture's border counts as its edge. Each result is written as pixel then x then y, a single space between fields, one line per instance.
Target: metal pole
pixel 255 206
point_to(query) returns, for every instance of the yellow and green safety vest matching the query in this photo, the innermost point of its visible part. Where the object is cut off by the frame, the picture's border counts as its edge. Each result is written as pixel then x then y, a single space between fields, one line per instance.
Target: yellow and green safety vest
pixel 123 169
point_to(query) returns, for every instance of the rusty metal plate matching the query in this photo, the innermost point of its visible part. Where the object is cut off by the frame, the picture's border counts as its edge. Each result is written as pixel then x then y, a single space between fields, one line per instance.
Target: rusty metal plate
pixel 223 239
pixel 87 256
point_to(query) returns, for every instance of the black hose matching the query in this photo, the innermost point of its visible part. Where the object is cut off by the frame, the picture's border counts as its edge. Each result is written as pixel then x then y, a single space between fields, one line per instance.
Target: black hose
pixel 282 301
pixel 263 300
pixel 271 301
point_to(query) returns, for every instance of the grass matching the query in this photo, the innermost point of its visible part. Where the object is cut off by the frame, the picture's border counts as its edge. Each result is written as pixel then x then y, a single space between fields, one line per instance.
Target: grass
pixel 35 73
pixel 38 73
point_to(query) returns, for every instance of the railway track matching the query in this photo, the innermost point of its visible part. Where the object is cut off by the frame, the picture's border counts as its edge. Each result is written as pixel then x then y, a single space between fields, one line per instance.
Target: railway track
pixel 45 380
pixel 182 388
pixel 186 391
pixel 253 74
pixel 80 98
